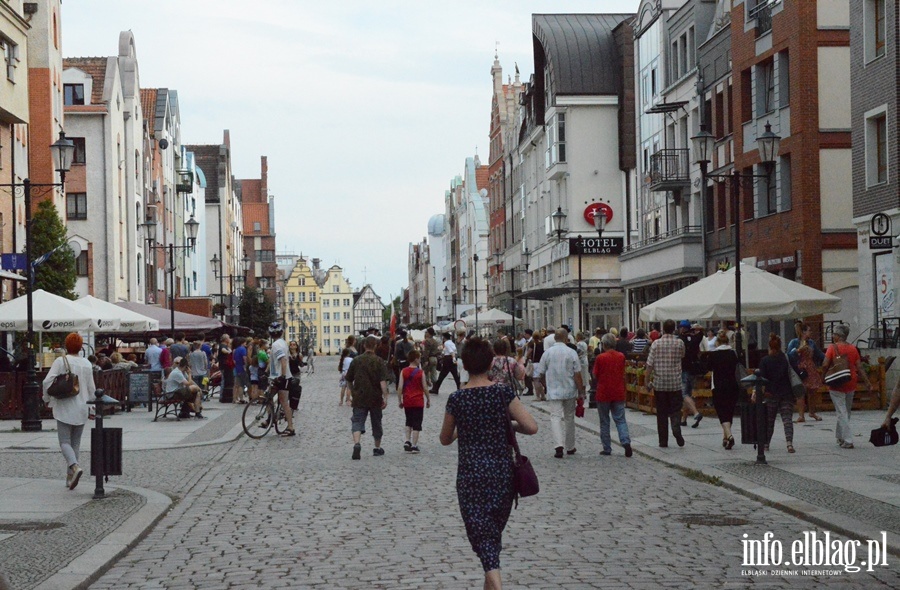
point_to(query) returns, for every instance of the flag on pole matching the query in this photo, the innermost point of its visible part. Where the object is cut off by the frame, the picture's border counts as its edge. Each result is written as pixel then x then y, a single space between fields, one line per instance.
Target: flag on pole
pixel 393 329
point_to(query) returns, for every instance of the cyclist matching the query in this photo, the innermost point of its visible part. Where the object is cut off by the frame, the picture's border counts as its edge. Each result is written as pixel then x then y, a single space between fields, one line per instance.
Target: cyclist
pixel 279 373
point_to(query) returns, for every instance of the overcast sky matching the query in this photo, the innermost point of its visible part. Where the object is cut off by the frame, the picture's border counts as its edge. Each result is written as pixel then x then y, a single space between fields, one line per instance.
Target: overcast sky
pixel 365 109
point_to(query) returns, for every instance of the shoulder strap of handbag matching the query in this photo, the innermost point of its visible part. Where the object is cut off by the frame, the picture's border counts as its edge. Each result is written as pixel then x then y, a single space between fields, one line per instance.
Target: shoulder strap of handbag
pixel 66 363
pixel 512 379
pixel 837 351
pixel 510 433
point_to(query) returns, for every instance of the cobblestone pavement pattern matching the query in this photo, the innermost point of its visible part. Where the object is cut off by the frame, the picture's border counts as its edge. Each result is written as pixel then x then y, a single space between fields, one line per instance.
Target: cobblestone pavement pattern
pixel 298 513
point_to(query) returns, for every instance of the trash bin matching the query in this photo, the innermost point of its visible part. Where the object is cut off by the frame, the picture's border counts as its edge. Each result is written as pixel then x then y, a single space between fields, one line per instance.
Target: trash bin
pixel 111 451
pixel 106 445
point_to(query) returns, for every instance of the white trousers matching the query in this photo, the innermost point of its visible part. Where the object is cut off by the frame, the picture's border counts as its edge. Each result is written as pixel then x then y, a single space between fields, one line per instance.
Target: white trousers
pixel 562 416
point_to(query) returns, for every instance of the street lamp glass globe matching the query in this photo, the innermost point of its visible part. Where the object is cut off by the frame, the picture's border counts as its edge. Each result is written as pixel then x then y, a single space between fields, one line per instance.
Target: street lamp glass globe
pixel 768 144
pixel 245 263
pixel 559 219
pixel 191 226
pixel 63 152
pixel 150 230
pixel 703 143
pixel 600 221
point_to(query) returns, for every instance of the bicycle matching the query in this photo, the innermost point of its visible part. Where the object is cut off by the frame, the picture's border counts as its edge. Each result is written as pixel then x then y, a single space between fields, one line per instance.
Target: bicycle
pixel 261 415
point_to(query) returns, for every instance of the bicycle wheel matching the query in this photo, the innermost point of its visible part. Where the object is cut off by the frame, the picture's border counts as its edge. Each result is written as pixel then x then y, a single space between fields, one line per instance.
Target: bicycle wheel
pixel 281 422
pixel 257 418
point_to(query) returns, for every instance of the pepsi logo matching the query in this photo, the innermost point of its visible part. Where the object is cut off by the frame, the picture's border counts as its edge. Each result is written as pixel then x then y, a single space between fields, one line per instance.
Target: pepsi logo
pixel 47 324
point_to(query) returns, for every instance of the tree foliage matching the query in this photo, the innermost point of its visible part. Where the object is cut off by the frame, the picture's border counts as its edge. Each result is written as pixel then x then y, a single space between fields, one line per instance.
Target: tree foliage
pixel 57 274
pixel 256 311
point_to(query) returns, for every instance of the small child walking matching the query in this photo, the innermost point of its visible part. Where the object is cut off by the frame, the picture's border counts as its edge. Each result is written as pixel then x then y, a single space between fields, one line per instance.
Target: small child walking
pixel 414 399
pixel 347 357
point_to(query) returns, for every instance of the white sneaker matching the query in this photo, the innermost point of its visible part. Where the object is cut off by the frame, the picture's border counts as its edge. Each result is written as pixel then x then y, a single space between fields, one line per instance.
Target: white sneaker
pixel 76 475
pixel 846 445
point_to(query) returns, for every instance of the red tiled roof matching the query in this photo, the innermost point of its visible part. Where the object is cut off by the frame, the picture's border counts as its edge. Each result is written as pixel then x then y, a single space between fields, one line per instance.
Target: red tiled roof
pixel 148 106
pixel 95 67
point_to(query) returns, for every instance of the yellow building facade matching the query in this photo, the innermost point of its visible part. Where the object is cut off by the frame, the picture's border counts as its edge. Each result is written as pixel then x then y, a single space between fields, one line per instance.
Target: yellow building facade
pixel 302 307
pixel 336 311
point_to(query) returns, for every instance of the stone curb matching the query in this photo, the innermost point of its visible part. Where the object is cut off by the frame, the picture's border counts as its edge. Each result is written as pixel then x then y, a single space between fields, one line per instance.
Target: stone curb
pixel 839 523
pixel 88 567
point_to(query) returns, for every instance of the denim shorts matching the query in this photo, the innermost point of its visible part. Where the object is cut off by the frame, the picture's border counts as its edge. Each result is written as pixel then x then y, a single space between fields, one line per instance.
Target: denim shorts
pixel 687 384
pixel 242 379
pixel 358 421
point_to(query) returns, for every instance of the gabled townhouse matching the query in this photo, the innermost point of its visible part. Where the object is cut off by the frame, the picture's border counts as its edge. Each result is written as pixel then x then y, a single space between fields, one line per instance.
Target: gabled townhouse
pixel 505 216
pixel 368 310
pixel 105 186
pixel 669 251
pixel 337 311
pixel 303 305
pixel 569 159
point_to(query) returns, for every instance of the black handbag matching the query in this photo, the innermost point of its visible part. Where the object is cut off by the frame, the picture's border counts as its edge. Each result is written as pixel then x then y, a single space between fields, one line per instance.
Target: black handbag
pixel 65 385
pixel 884 437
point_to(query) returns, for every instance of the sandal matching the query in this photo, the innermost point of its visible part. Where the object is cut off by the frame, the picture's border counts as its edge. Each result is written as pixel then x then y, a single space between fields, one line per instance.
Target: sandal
pixel 790 448
pixel 816 417
pixel 730 443
pixel 725 442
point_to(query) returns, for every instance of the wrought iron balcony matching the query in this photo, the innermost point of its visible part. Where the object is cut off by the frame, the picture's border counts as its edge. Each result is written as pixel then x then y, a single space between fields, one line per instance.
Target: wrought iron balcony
pixel 670 169
pixel 762 12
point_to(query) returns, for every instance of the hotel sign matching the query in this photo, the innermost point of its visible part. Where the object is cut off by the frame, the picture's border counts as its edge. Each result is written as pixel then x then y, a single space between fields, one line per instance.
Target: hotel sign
pixel 596 246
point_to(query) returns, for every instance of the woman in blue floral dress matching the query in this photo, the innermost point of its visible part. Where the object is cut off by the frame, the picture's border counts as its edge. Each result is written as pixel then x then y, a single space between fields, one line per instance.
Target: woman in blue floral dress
pixel 477 415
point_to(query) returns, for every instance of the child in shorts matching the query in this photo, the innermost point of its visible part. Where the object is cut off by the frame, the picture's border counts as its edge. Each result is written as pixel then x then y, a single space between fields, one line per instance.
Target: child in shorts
pixel 414 399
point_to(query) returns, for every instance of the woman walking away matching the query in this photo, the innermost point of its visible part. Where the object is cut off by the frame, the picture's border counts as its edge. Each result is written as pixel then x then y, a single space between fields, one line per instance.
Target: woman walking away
pixel 779 398
pixel 722 362
pixel 503 368
pixel 347 356
pixel 806 358
pixel 71 413
pixel 479 415
pixel 609 371
pixel 413 389
pixel 842 394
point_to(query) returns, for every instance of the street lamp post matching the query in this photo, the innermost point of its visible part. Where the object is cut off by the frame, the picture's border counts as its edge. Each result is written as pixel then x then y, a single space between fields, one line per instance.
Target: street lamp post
pixel 767 144
pixel 220 274
pixel 62 151
pixel 150 234
pixel 475 260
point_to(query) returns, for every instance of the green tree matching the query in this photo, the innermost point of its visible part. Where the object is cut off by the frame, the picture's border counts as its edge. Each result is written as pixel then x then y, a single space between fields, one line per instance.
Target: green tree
pixel 256 311
pixel 56 274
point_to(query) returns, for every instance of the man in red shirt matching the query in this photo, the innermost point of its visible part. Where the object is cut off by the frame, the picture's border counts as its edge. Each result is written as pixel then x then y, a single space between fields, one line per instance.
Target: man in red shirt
pixel 609 372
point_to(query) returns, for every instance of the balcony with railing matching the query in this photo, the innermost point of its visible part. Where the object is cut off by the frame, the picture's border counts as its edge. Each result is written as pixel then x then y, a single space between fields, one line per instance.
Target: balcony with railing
pixel 670 169
pixel 670 255
pixel 762 12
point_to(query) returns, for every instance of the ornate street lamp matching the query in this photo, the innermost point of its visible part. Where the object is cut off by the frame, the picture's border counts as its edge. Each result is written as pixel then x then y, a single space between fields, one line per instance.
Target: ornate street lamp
pixel 768 144
pixel 559 220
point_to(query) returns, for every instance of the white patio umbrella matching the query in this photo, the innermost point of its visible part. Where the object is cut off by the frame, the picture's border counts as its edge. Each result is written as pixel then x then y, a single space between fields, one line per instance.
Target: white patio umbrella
pixel 129 321
pixel 495 317
pixel 764 296
pixel 51 313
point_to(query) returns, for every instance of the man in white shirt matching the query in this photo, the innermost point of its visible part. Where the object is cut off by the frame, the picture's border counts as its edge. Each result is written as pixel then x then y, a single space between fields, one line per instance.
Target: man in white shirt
pixel 561 370
pixel 447 364
pixel 279 373
pixel 151 355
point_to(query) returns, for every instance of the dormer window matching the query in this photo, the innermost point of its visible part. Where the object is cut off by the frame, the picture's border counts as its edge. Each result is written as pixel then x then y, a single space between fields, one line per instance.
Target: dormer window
pixel 74 94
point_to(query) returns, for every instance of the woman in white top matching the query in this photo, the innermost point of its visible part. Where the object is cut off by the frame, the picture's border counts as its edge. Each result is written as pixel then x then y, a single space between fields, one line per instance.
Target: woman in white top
pixel 71 414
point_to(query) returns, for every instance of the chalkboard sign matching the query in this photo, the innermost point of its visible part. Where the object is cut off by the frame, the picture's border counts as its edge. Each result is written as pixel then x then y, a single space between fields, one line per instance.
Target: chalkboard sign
pixel 139 387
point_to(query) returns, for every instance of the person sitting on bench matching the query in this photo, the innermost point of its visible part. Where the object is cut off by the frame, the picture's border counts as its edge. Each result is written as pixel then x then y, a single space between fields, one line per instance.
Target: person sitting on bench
pixel 179 386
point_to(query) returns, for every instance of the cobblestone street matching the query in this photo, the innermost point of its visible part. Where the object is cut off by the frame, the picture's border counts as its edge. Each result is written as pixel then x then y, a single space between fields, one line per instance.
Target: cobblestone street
pixel 299 513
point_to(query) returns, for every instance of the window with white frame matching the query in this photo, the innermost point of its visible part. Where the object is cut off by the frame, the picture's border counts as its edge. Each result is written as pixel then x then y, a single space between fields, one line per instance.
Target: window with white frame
pixel 73 94
pixel 347 302
pixel 875 24
pixel 325 303
pixel 11 57
pixel 876 146
pixel 326 316
pixel 765 87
